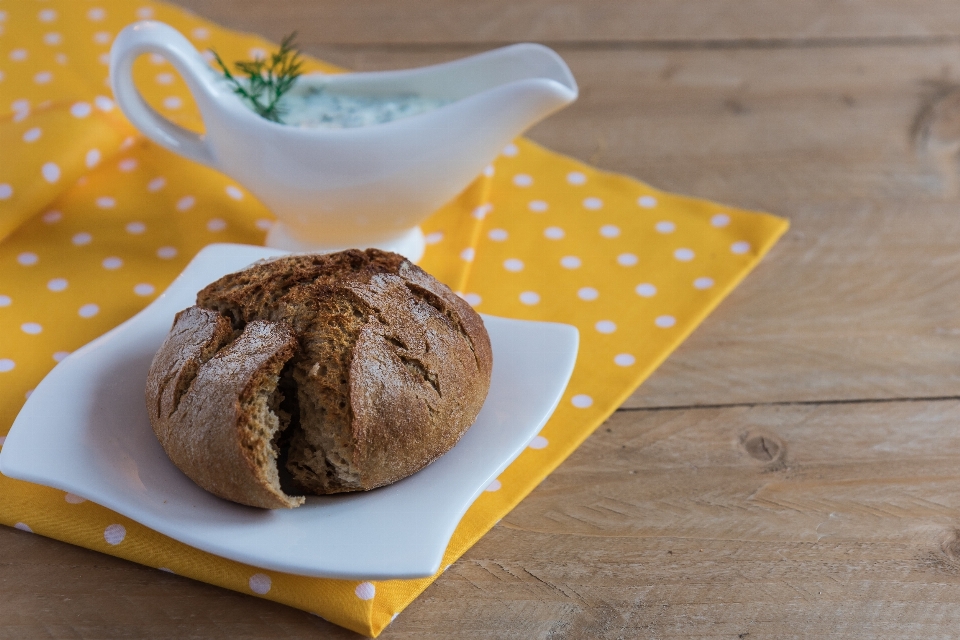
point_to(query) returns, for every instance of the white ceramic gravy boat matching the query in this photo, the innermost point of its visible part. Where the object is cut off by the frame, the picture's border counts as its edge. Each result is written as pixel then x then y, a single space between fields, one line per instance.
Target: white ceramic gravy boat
pixel 368 186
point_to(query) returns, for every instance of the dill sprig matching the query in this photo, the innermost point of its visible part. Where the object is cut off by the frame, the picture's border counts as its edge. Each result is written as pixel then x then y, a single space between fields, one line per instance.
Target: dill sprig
pixel 267 80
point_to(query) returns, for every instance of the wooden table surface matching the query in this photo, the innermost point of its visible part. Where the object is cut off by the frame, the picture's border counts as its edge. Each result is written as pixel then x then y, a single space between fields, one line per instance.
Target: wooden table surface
pixel 793 470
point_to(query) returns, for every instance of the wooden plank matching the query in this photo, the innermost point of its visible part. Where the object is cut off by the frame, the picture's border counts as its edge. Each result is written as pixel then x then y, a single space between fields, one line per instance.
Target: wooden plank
pixel 555 21
pixel 840 523
pixel 664 524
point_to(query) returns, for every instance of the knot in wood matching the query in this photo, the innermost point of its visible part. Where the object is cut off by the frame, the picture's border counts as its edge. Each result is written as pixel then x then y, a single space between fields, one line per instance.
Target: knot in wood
pixel 936 133
pixel 762 447
pixel 938 122
pixel 951 545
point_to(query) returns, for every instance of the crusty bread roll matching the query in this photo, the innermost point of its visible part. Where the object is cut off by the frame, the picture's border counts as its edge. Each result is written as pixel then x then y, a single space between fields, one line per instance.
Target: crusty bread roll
pixel 317 374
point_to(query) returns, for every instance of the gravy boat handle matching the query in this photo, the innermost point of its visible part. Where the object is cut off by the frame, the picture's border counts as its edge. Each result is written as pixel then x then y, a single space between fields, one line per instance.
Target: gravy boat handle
pixel 155 37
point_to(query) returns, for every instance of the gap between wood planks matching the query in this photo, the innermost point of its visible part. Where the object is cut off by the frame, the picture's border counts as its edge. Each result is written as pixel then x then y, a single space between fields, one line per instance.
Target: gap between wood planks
pixel 790 403
pixel 659 45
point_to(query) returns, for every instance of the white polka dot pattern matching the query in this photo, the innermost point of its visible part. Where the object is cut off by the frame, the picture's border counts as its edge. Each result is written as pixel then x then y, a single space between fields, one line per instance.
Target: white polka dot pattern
pixel 665 322
pixel 720 220
pixel 80 110
pixel 481 211
pixel 88 310
pixel 588 293
pixel 366 591
pixel 114 534
pixel 513 264
pixel 665 226
pixel 703 283
pixel 31 328
pixel 581 401
pixel 624 360
pixel 538 442
pixel 260 583
pixel 646 290
pixel 606 326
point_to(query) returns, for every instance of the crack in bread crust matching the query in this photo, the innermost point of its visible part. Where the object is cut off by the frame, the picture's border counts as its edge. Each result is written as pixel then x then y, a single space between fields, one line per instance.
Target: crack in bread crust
pixel 215 420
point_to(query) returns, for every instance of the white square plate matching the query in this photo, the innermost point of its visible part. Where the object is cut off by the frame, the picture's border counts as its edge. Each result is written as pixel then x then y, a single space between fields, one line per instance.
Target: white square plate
pixel 85 430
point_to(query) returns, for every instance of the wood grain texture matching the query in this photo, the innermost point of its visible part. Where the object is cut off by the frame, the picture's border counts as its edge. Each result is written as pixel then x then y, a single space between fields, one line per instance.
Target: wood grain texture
pixel 377 22
pixel 690 529
pixel 816 495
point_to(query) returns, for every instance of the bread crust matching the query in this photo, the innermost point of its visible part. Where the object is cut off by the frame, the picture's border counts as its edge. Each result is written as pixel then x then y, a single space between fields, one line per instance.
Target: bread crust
pixel 203 390
pixel 371 366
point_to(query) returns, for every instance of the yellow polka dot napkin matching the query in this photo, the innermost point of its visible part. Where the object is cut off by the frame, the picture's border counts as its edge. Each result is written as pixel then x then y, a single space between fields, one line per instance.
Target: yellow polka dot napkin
pixel 95 222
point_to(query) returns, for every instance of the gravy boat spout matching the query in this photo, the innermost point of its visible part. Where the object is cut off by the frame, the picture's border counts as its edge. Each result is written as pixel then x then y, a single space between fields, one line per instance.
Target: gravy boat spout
pixel 365 186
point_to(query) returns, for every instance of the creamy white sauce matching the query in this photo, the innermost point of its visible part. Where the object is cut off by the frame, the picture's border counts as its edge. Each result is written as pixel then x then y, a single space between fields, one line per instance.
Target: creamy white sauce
pixel 317 106
pixel 314 104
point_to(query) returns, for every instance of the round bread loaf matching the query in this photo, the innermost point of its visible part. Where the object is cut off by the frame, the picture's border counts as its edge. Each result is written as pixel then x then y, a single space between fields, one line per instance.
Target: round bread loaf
pixel 317 374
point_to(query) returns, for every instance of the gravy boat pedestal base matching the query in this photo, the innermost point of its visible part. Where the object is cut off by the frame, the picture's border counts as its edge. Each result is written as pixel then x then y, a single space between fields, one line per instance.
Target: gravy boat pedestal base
pixel 410 245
